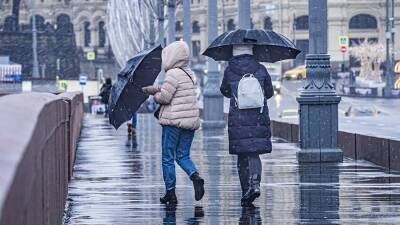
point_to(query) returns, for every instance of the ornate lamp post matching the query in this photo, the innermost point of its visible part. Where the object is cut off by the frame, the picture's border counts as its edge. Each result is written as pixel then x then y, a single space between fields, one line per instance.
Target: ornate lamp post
pixel 171 21
pixel 317 100
pixel 35 64
pixel 389 39
pixel 187 32
pixel 213 112
pixel 244 14
pixel 160 14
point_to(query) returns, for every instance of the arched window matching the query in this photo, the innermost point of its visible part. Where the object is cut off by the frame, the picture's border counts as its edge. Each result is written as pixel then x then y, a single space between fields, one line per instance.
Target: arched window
pixel 63 19
pixel 196 49
pixel 301 23
pixel 102 35
pixel 267 23
pixel 10 23
pixel 196 27
pixel 86 34
pixel 40 26
pixel 231 25
pixel 64 23
pixel 363 21
pixel 178 26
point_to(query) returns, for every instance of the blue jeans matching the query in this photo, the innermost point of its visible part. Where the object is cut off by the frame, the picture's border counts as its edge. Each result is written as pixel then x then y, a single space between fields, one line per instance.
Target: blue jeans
pixel 176 143
pixel 134 120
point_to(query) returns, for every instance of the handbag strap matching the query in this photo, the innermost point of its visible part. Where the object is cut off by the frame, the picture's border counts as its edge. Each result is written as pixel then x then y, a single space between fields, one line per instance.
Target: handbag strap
pixel 187 74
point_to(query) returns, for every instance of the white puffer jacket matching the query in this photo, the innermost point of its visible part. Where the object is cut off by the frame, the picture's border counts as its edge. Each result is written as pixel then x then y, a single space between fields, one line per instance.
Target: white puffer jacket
pixel 177 95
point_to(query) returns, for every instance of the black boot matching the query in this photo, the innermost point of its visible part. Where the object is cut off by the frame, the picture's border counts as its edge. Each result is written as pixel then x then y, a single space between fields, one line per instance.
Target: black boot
pixel 252 193
pixel 198 184
pixel 169 197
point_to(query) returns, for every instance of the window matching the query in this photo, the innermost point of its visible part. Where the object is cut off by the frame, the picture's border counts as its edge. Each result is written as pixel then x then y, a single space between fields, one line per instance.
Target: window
pixel 196 49
pixel 86 34
pixel 196 27
pixel 64 23
pixel 363 21
pixel 10 23
pixel 301 23
pixel 102 35
pixel 267 23
pixel 178 26
pixel 40 26
pixel 231 25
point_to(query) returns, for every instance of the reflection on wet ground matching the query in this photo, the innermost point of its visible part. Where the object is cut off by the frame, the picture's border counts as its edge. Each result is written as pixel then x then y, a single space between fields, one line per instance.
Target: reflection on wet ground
pixel 120 182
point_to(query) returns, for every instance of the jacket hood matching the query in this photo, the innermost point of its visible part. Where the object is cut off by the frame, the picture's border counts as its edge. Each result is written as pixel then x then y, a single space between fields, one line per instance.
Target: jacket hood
pixel 243 64
pixel 175 55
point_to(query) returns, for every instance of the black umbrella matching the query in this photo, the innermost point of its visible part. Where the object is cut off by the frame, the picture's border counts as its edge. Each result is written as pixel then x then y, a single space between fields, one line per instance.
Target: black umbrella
pixel 126 94
pixel 269 46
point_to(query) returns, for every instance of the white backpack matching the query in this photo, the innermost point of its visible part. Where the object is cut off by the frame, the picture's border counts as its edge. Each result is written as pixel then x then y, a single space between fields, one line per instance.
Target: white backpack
pixel 250 93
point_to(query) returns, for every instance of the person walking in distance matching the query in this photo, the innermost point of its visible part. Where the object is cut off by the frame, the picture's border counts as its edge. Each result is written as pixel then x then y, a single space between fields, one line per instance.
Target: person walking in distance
pixel 179 116
pixel 105 92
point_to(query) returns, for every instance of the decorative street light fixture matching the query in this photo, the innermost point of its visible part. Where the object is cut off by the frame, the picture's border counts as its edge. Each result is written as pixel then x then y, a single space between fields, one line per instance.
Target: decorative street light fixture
pixel 318 100
pixel 160 15
pixel 389 41
pixel 187 24
pixel 244 14
pixel 35 64
pixel 171 21
pixel 213 112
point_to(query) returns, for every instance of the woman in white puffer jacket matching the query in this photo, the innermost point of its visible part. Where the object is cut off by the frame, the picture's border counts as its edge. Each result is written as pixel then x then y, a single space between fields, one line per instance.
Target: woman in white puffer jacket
pixel 179 116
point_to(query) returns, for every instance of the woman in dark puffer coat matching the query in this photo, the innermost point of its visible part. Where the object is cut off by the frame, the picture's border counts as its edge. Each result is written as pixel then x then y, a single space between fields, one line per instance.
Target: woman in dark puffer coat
pixel 249 130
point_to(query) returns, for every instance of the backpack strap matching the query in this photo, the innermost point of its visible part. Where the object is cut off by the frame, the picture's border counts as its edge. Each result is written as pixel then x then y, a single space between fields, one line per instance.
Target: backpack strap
pixel 187 74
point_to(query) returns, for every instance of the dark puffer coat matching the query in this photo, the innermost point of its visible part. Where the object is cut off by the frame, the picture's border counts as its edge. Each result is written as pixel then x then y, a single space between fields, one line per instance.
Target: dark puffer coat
pixel 249 130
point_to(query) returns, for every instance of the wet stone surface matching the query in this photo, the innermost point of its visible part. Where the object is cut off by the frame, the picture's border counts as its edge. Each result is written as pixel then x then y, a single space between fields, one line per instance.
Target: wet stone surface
pixel 117 183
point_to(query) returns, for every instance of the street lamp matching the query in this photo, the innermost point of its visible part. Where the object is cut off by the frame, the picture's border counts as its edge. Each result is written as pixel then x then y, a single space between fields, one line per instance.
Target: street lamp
pixel 35 64
pixel 318 100
pixel 389 41
pixel 171 21
pixel 244 14
pixel 187 31
pixel 213 112
pixel 160 14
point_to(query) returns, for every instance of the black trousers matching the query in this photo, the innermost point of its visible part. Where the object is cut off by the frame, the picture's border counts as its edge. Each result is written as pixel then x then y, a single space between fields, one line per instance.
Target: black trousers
pixel 249 168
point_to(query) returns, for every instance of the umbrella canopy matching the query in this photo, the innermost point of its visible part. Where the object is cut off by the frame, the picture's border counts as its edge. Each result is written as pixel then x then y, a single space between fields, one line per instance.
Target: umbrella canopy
pixel 126 94
pixel 269 46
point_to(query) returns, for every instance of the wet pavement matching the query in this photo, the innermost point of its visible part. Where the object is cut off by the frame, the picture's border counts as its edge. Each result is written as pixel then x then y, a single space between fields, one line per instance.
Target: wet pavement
pixel 116 182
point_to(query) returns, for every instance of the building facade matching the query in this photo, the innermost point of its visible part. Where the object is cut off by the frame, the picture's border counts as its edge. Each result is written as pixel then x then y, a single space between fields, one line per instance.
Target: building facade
pixel 88 18
pixel 358 19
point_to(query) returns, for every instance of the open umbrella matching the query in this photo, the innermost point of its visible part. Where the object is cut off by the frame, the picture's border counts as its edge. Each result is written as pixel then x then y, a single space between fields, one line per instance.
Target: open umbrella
pixel 269 46
pixel 126 94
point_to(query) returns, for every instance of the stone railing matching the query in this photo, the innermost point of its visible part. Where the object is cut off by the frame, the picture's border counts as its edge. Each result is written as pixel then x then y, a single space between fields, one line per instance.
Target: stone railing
pixel 38 137
pixel 382 151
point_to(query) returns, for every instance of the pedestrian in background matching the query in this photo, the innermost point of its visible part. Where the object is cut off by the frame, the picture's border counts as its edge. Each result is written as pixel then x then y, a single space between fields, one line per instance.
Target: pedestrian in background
pixel 179 116
pixel 132 125
pixel 105 91
pixel 249 129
